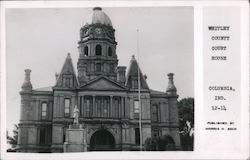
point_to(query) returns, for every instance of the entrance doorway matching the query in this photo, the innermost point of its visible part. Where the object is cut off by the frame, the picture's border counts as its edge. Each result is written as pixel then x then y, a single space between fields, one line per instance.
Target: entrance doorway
pixel 102 140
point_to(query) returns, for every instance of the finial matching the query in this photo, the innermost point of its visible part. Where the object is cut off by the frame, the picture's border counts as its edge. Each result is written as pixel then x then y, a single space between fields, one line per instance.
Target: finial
pixel 133 56
pixel 68 56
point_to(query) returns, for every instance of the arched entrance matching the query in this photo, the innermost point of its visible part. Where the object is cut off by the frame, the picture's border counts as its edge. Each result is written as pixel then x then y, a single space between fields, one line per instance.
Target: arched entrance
pixel 102 140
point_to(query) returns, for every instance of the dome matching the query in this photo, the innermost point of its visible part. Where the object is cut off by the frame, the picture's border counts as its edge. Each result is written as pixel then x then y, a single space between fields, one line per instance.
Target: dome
pixel 100 17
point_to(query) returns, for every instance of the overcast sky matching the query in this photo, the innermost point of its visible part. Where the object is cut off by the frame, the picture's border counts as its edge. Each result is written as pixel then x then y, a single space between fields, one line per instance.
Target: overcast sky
pixel 39 39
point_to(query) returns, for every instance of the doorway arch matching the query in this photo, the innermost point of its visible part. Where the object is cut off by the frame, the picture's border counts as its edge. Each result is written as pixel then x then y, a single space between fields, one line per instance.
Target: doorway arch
pixel 102 140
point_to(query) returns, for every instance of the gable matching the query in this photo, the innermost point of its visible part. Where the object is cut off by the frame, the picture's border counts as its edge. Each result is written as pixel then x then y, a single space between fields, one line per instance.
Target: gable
pixel 103 84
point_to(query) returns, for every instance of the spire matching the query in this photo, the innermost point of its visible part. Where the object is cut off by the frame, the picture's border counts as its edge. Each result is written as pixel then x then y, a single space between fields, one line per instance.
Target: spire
pixel 68 56
pixel 67 76
pixel 27 86
pixel 171 87
pixel 132 75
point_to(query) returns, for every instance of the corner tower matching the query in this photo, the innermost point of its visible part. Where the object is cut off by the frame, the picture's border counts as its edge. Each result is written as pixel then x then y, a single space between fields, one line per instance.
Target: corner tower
pixel 97 48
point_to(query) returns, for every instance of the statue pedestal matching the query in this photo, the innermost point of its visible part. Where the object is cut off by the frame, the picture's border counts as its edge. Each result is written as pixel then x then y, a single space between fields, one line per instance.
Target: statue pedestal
pixel 75 139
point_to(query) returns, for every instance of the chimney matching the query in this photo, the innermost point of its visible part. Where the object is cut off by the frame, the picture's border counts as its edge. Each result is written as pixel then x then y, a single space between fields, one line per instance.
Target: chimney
pixel 171 87
pixel 121 70
pixel 27 86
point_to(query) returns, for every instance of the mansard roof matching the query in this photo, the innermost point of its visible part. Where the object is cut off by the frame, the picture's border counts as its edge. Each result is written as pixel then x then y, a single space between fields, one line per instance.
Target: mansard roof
pixel 103 83
pixel 133 72
pixel 67 69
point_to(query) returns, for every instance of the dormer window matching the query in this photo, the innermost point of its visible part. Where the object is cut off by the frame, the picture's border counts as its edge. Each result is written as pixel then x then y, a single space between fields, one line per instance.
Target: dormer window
pixel 110 51
pixel 98 50
pixel 135 83
pixel 68 80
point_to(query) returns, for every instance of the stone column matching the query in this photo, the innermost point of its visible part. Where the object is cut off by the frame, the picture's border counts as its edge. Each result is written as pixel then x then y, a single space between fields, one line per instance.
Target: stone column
pixel 122 107
pixel 94 110
pixel 79 105
pixel 61 106
pixel 72 106
pixel 126 108
pixel 111 107
pixel 83 106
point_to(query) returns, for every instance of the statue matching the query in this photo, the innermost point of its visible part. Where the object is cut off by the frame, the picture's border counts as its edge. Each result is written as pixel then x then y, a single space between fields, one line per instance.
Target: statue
pixel 76 115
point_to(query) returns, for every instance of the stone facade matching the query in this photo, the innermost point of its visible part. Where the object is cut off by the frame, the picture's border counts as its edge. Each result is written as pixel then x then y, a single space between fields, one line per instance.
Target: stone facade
pixel 106 98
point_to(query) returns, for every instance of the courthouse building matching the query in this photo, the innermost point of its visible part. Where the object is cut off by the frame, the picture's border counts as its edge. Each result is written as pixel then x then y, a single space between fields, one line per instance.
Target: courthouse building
pixel 106 95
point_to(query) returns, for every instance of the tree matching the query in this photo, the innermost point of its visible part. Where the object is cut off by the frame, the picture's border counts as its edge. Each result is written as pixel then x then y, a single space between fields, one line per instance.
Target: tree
pixel 13 140
pixel 186 120
pixel 151 144
pixel 162 143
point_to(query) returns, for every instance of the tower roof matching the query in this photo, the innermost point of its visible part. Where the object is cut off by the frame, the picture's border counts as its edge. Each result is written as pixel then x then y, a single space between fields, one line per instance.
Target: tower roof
pixel 99 17
pixel 133 72
pixel 67 71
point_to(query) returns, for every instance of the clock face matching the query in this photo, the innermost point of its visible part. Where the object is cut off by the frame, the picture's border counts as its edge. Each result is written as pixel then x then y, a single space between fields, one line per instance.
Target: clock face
pixel 98 30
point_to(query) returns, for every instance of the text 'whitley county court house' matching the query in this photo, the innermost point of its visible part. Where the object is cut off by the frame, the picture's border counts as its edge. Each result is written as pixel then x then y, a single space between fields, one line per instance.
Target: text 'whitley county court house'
pixel 106 97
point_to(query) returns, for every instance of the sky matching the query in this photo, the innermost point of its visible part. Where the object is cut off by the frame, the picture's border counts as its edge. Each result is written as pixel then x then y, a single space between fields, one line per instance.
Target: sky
pixel 39 39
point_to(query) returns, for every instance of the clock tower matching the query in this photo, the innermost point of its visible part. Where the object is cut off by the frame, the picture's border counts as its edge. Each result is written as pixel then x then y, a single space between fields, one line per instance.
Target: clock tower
pixel 97 48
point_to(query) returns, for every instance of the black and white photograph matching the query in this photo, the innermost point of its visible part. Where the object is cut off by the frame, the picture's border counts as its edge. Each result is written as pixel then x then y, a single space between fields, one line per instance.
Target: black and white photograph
pixel 100 78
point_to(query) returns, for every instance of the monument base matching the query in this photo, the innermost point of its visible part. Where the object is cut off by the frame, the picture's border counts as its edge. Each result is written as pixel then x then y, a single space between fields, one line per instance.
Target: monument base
pixel 75 139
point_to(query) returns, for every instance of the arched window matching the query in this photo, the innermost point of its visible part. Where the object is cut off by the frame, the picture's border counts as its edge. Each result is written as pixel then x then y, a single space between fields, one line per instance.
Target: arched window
pixel 44 110
pixel 110 51
pixel 86 51
pixel 98 50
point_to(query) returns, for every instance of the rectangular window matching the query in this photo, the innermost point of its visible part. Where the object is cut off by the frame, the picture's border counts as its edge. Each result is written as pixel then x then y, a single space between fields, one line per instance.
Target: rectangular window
pixel 98 67
pixel 42 136
pixel 154 113
pixel 137 136
pixel 44 111
pixel 64 134
pixel 136 109
pixel 66 107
